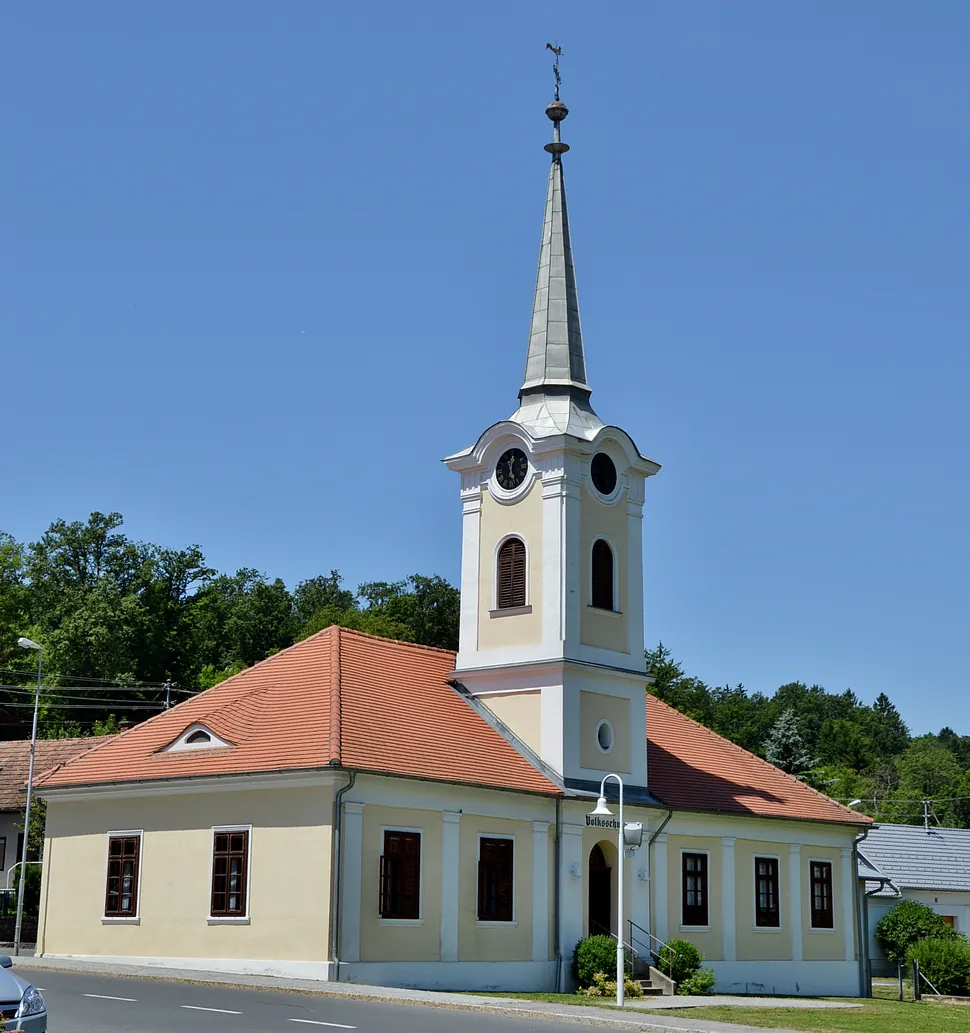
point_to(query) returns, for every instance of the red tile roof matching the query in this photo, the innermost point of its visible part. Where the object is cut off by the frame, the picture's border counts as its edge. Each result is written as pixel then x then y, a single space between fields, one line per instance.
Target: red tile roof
pixel 345 699
pixel 339 698
pixel 15 763
pixel 690 767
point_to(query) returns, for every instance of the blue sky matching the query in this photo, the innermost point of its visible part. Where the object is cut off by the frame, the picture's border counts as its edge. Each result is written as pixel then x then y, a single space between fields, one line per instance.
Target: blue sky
pixel 265 264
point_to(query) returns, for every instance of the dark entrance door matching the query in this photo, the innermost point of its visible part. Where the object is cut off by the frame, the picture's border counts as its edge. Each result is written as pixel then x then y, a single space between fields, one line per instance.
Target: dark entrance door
pixel 600 894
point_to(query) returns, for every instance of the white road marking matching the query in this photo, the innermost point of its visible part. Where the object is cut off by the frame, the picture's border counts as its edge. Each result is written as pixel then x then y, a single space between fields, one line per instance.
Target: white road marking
pixel 221 1011
pixel 317 1022
pixel 105 997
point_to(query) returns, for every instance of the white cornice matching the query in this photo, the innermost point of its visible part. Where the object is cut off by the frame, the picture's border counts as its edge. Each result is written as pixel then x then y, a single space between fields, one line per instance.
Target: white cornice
pixel 193 785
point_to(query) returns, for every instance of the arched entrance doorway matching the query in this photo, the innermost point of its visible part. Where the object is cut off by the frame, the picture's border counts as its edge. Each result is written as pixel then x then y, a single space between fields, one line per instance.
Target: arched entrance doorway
pixel 600 914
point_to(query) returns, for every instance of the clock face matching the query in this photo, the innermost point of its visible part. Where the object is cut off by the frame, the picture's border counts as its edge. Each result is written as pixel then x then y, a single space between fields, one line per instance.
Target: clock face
pixel 511 469
pixel 603 473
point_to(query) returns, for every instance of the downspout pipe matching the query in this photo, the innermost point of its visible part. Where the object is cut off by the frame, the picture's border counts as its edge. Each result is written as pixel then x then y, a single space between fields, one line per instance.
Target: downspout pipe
pixel 335 873
pixel 650 842
pixel 557 903
pixel 862 919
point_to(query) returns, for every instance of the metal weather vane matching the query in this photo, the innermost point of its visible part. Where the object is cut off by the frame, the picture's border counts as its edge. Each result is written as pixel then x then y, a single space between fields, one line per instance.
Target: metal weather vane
pixel 557 50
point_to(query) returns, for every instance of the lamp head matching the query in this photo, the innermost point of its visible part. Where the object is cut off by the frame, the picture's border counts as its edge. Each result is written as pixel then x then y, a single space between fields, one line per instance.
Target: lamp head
pixel 25 643
pixel 855 803
pixel 602 809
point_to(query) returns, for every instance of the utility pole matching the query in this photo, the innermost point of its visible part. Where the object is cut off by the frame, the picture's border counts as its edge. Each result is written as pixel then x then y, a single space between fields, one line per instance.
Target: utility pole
pixel 168 694
pixel 926 815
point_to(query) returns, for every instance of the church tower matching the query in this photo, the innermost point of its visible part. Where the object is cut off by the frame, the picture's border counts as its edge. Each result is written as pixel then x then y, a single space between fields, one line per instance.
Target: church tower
pixel 551 637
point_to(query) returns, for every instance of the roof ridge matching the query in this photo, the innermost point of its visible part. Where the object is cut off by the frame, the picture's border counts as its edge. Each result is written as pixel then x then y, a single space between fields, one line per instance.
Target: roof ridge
pixel 383 638
pixel 864 819
pixel 335 679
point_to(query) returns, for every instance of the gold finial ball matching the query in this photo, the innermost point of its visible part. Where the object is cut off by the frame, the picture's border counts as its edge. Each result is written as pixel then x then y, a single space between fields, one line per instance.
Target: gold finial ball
pixel 557 111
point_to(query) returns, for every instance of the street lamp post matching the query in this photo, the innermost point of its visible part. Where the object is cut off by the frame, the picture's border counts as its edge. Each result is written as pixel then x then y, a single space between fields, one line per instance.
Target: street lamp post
pixel 602 809
pixel 25 643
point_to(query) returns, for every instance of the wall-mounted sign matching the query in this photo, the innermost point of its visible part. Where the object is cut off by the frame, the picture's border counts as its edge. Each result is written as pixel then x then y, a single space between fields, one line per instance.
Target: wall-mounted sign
pixel 594 821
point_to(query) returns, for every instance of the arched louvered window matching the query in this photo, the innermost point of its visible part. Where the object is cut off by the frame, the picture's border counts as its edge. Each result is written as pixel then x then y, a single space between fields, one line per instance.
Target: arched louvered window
pixel 602 575
pixel 511 574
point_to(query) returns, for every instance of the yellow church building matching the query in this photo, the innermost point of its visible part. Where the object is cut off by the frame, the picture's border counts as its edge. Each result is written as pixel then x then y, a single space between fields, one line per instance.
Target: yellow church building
pixel 372 811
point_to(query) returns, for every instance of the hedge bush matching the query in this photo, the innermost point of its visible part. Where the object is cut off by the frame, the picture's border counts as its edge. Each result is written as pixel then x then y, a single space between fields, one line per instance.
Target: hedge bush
pixel 945 961
pixel 594 954
pixel 907 923
pixel 679 959
pixel 701 982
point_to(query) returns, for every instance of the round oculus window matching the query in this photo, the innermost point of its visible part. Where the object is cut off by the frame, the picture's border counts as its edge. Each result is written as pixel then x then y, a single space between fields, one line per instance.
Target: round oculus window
pixel 604 736
pixel 603 473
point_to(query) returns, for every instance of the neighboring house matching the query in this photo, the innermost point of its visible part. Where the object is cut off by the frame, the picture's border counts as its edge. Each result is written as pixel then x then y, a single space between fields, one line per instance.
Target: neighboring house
pixel 360 809
pixel 912 862
pixel 14 765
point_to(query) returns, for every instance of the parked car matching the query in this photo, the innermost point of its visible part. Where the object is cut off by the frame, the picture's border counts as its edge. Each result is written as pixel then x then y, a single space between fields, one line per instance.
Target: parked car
pixel 21 1004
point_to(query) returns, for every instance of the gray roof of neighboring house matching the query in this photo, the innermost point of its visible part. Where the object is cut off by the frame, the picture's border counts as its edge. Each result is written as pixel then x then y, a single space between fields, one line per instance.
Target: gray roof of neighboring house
pixel 913 857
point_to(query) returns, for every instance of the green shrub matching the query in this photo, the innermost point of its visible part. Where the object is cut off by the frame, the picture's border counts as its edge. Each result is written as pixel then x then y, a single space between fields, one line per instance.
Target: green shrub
pixel 594 954
pixel 905 924
pixel 945 961
pixel 701 982
pixel 679 959
pixel 603 986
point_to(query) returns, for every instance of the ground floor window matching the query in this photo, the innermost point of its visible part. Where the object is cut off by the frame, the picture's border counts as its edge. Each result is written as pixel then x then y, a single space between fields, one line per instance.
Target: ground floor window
pixel 823 915
pixel 121 893
pixel 400 875
pixel 767 914
pixel 694 885
pixel 495 879
pixel 230 873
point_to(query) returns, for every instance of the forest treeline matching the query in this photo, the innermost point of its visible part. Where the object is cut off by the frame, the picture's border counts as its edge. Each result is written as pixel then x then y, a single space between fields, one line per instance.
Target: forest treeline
pixel 127 626
pixel 834 742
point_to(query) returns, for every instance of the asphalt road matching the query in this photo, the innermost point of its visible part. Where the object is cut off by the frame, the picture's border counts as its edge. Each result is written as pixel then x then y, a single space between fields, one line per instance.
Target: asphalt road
pixel 81 1003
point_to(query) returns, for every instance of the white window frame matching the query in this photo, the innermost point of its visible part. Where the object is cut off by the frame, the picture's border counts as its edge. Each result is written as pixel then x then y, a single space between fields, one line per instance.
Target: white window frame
pixel 511 611
pixel 596 735
pixel 680 905
pixel 485 923
pixel 780 927
pixel 134 919
pixel 835 918
pixel 231 919
pixel 403 923
pixel 615 553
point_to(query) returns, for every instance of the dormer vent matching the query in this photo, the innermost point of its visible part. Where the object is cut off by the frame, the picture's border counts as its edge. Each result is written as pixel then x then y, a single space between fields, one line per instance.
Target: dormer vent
pixel 197 737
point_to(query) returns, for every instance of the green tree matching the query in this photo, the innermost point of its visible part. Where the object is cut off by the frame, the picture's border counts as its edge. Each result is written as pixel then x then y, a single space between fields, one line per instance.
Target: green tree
pixel 429 606
pixel 321 592
pixel 785 747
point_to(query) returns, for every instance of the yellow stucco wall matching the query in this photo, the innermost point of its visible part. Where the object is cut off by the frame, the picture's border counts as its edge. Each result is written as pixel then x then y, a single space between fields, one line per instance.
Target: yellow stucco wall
pixel 522 712
pixel 822 944
pixel 510 941
pixel 756 943
pixel 709 940
pixel 597 628
pixel 289 876
pixel 524 519
pixel 597 706
pixel 384 939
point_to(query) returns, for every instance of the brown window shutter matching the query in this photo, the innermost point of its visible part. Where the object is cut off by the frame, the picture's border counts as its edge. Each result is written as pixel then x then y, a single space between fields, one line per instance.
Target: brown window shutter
pixel 511 574
pixel 602 596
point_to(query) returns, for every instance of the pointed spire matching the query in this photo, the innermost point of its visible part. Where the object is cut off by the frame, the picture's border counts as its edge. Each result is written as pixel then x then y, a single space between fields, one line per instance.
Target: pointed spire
pixel 555 364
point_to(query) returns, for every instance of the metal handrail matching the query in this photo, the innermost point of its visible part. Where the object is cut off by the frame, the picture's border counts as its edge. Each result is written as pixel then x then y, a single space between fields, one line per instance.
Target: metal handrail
pixel 650 937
